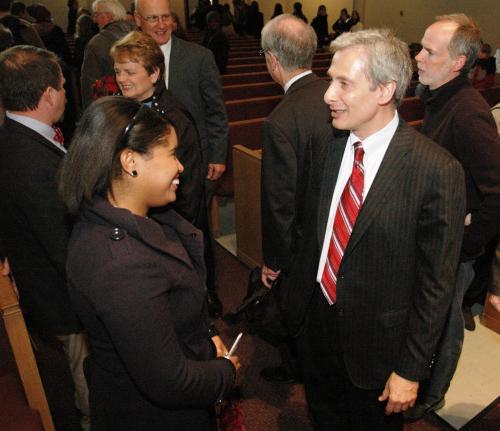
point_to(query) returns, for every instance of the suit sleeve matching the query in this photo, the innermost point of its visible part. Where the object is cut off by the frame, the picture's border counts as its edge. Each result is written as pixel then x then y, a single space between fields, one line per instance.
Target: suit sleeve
pixel 279 188
pixel 89 74
pixel 46 216
pixel 439 236
pixel 480 155
pixel 132 302
pixel 214 109
pixel 190 193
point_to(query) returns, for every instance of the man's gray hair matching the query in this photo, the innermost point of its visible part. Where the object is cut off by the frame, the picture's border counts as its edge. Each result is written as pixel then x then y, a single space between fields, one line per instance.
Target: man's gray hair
pixel 466 39
pixel 291 40
pixel 113 7
pixel 387 57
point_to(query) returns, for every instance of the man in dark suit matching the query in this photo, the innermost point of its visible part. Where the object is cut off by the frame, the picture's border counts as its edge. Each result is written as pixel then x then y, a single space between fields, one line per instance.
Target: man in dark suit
pixel 458 118
pixel 387 239
pixel 33 224
pixel 295 138
pixel 193 78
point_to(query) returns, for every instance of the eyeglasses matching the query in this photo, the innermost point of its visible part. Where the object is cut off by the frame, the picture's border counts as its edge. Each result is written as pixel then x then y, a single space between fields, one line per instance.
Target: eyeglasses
pixel 139 115
pixel 263 51
pixel 155 19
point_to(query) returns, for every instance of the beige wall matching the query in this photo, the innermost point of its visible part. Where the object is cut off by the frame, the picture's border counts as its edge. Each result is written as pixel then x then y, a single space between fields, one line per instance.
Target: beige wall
pixel 417 15
pixel 309 7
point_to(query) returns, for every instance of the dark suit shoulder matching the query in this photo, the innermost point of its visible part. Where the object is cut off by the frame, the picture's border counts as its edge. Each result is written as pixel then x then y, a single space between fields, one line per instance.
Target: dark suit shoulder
pixel 304 101
pixel 425 148
pixel 189 49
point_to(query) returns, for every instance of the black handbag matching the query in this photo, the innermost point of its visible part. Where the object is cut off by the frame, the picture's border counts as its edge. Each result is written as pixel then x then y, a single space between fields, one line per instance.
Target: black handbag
pixel 260 310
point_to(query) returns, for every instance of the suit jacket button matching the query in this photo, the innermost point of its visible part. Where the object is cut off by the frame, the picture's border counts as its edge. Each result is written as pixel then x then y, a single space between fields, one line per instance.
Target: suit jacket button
pixel 117 234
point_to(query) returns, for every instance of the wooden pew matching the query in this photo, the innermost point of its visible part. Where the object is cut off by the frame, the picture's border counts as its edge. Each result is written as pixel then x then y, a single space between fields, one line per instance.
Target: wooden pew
pixel 492 95
pixel 245 109
pixel 23 352
pixel 247 166
pixel 270 88
pixel 261 66
pixel 252 77
pixel 257 89
pixel 250 59
pixel 246 132
pixel 411 109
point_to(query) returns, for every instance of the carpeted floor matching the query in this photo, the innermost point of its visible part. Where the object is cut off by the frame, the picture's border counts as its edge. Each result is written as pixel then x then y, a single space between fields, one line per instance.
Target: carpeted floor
pixel 267 406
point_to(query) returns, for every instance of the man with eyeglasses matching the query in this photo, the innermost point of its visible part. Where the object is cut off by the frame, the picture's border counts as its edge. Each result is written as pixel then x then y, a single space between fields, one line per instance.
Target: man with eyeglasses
pixel 193 78
pixel 111 17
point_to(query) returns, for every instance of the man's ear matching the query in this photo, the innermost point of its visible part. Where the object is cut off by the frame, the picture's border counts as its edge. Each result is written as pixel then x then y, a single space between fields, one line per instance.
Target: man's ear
pixel 137 19
pixel 387 91
pixel 459 63
pixel 48 96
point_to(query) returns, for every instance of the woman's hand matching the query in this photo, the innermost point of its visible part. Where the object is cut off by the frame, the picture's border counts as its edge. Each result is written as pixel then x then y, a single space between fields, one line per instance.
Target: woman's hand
pixel 222 351
pixel 220 346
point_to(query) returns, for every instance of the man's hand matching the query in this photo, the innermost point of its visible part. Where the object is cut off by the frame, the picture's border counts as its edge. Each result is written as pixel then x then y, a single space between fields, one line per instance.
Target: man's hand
pixel 495 301
pixel 400 394
pixel 268 276
pixel 215 170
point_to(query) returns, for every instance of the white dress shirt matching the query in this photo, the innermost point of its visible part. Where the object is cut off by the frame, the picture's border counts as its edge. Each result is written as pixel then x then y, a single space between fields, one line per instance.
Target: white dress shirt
pixel 375 147
pixel 43 129
pixel 166 48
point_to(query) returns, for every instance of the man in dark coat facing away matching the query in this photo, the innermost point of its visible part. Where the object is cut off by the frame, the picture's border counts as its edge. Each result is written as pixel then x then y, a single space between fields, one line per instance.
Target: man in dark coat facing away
pixel 33 224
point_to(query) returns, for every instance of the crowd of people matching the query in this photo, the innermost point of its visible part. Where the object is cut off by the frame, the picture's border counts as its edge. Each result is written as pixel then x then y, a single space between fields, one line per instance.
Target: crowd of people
pixel 370 229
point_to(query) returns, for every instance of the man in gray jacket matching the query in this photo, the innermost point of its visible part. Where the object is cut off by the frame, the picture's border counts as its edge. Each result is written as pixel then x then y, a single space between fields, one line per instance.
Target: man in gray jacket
pixel 111 17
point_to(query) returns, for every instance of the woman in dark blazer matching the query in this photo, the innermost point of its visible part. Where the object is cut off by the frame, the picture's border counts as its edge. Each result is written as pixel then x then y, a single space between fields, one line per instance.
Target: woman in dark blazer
pixel 138 281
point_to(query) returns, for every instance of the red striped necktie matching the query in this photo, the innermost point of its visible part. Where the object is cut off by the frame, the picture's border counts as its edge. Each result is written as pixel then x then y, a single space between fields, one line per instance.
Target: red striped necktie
pixel 58 136
pixel 345 217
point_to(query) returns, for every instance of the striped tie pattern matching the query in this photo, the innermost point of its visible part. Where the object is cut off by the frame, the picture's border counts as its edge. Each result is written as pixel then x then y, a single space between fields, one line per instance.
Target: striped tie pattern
pixel 58 136
pixel 345 217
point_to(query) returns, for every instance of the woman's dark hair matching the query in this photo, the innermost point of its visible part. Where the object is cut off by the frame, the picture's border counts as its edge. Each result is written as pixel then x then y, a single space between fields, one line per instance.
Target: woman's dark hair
pixel 93 159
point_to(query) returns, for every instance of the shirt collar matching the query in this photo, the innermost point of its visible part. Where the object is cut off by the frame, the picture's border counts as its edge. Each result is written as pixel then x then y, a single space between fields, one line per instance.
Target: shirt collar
pixel 41 128
pixel 378 139
pixel 295 78
pixel 167 48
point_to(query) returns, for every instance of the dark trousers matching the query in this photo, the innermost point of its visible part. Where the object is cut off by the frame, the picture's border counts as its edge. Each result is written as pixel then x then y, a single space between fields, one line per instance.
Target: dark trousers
pixel 335 403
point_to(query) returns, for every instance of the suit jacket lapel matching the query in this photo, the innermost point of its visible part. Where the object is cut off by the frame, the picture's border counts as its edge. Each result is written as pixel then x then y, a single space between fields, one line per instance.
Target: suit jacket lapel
pixel 330 174
pixel 394 165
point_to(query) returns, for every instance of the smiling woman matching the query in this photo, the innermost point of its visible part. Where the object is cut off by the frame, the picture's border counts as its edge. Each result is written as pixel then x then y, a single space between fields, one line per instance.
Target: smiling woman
pixel 136 279
pixel 139 69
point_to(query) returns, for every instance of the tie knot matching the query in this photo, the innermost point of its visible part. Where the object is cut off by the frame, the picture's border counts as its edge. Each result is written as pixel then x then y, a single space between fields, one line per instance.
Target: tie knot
pixel 358 151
